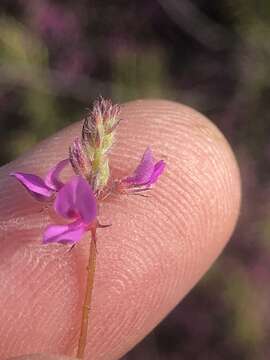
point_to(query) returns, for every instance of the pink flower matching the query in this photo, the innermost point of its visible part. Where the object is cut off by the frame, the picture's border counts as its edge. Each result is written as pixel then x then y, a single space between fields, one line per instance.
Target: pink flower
pixel 75 201
pixel 39 188
pixel 146 173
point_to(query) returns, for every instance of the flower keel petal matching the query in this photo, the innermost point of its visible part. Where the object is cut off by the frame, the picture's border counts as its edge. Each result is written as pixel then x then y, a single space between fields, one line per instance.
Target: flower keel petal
pixel 64 234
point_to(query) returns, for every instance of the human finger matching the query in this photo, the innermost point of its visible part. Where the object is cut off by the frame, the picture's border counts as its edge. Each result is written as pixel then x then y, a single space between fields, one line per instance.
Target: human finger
pixel 154 253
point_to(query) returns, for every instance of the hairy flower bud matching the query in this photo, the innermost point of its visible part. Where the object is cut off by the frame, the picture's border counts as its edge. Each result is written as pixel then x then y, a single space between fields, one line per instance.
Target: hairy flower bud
pixel 79 160
pixel 97 139
pixel 101 121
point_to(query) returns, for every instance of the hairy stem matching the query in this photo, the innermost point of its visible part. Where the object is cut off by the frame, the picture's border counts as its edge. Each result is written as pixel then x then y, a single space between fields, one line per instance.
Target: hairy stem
pixel 88 295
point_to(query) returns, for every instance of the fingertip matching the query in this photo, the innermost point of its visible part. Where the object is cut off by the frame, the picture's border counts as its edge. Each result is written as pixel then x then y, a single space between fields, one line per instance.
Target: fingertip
pixel 41 357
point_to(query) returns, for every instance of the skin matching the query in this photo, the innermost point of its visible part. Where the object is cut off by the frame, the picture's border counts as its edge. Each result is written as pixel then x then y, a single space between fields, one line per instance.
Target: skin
pixel 156 250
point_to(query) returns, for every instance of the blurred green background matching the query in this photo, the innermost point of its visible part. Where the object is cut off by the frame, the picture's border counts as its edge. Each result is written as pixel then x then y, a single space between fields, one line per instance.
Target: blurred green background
pixel 56 57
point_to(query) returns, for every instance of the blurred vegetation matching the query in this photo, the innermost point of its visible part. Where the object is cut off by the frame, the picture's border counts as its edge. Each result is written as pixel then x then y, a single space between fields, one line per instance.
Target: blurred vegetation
pixel 56 57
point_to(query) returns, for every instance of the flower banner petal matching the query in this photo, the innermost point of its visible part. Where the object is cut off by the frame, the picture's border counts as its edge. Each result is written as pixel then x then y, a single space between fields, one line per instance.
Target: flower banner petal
pixel 65 202
pixel 85 201
pixel 158 170
pixel 144 170
pixel 76 199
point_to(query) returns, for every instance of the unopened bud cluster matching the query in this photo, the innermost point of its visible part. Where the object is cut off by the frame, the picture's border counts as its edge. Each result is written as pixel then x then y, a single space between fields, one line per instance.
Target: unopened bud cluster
pixel 89 155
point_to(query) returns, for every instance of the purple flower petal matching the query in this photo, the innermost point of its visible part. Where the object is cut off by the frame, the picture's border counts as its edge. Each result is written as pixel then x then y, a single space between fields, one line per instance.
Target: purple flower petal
pixel 158 170
pixel 34 184
pixel 86 201
pixel 144 170
pixel 64 234
pixel 76 199
pixel 51 179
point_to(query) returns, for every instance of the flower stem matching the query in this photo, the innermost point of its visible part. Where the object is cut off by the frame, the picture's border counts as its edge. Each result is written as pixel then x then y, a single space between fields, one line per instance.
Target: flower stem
pixel 88 295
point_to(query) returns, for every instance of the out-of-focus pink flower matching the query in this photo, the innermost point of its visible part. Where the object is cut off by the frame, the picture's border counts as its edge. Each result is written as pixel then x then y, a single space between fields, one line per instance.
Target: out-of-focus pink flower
pixel 75 201
pixel 39 188
pixel 56 23
pixel 146 173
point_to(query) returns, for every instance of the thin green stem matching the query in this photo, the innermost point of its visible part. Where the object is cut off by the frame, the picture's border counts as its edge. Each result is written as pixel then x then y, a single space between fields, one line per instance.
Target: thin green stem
pixel 88 295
